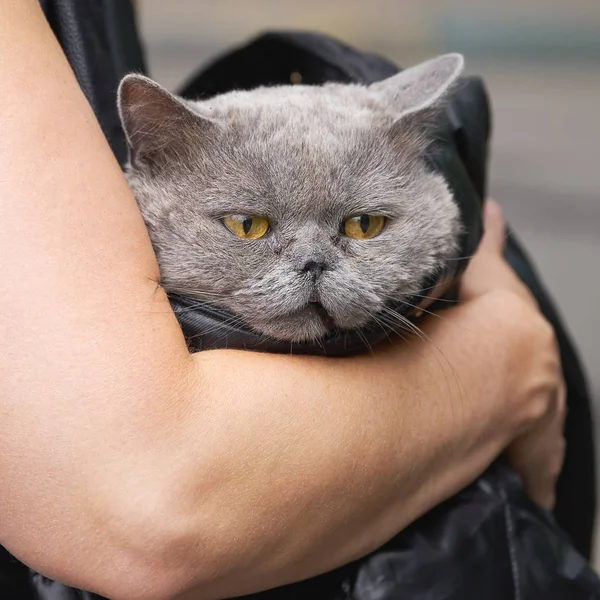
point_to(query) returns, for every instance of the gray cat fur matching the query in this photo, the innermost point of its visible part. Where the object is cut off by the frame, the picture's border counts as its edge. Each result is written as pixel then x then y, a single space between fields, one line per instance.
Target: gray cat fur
pixel 305 157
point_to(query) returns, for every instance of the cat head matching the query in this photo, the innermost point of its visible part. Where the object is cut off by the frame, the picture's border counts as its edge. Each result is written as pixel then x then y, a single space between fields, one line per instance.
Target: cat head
pixel 299 209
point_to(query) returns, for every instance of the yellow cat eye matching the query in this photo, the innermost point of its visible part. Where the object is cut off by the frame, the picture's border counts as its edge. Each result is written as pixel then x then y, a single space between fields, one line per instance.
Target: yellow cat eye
pixel 247 228
pixel 363 227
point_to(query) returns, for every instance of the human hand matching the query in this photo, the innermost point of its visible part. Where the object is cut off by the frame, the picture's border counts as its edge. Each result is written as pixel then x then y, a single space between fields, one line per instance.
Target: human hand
pixel 537 451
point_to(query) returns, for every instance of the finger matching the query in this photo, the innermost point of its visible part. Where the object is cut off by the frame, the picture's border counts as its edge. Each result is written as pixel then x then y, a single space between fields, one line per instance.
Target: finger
pixel 494 228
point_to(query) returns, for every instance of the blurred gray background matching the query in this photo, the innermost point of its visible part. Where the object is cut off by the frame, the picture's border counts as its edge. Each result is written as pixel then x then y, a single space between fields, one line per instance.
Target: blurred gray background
pixel 541 62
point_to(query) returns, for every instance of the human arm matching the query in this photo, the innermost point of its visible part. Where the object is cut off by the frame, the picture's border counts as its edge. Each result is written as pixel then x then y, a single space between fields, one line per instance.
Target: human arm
pixel 129 467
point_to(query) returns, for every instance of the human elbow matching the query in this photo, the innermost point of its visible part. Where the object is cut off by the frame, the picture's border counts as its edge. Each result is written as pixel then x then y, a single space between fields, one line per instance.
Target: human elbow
pixel 162 552
pixel 154 576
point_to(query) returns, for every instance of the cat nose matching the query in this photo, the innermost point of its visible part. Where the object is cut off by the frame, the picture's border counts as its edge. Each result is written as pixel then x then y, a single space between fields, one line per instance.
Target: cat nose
pixel 314 267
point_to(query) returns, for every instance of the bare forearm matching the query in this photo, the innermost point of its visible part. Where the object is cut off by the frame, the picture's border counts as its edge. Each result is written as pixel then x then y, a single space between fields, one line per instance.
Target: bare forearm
pixel 226 471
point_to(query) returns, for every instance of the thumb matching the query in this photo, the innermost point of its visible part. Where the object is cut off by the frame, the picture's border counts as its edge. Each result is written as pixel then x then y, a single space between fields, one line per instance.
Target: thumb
pixel 488 271
pixel 494 228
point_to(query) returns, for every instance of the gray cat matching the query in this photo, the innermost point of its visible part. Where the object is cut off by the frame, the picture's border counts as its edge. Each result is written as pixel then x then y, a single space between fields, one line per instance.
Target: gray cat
pixel 299 209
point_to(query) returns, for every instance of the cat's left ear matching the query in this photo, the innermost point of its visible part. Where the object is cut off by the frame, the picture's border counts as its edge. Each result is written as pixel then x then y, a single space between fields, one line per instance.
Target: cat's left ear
pixel 422 86
pixel 158 125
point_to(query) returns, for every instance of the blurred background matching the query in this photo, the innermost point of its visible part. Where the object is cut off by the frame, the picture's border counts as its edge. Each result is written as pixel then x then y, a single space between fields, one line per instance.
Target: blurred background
pixel 541 62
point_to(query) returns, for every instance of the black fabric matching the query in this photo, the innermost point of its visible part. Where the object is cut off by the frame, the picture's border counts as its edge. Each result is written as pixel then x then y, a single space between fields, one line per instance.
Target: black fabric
pixel 100 41
pixel 575 508
pixel 489 541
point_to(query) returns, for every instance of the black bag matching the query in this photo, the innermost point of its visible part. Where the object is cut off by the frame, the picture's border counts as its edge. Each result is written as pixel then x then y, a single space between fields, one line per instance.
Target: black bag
pixel 489 541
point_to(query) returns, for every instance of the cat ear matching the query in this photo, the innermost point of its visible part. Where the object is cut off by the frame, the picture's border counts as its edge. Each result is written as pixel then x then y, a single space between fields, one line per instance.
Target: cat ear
pixel 157 124
pixel 421 86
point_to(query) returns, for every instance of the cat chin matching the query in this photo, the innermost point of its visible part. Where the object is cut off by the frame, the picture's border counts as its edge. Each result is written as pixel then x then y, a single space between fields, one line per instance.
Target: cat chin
pixel 308 325
pixel 295 332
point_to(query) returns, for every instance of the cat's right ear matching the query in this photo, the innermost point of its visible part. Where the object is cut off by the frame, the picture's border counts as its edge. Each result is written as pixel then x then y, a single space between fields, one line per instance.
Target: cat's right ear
pixel 157 124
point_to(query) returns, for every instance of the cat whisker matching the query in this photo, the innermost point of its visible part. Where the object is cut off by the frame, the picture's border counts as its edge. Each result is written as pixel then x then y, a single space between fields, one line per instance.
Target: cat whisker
pixel 432 287
pixel 432 313
pixel 384 327
pixel 321 345
pixel 186 309
pixel 407 323
pixel 436 299
pixel 394 324
pixel 220 325
pixel 395 298
pixel 199 296
pixel 364 339
pixel 424 310
pixel 460 258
